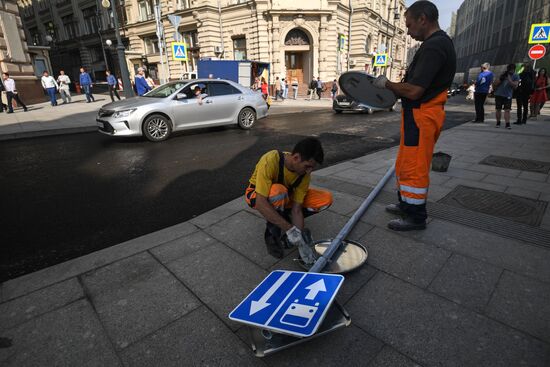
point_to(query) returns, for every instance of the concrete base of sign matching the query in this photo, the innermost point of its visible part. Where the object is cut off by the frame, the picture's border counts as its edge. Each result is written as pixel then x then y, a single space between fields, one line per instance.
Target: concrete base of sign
pixel 265 342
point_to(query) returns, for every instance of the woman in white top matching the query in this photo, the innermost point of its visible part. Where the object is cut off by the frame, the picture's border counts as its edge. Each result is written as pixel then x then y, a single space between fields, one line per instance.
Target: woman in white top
pixel 64 81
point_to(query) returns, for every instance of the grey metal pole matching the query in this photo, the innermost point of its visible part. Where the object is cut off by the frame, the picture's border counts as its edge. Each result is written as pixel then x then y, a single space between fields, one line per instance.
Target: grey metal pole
pixel 128 90
pixel 337 242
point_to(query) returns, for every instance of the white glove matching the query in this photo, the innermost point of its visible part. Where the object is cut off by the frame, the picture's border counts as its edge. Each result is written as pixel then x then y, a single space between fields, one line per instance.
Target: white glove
pixel 380 82
pixel 294 236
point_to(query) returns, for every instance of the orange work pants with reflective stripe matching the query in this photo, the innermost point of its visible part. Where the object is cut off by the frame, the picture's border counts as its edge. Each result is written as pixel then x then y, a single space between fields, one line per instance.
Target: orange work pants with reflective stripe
pixel 421 124
pixel 314 201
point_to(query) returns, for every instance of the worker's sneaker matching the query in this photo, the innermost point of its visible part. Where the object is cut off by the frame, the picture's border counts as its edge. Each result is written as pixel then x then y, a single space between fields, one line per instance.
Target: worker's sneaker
pixel 395 209
pixel 406 224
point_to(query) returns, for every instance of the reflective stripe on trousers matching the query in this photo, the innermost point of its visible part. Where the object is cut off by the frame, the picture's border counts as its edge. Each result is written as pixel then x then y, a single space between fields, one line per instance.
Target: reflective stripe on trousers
pixel 314 201
pixel 420 128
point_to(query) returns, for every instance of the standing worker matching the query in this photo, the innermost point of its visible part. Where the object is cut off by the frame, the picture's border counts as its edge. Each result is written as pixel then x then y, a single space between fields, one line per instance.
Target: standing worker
pixel 50 86
pixel 112 82
pixel 483 84
pixel 279 190
pixel 423 95
pixel 64 81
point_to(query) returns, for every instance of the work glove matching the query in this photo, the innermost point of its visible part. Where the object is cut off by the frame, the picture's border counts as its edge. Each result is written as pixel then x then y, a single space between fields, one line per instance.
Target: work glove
pixel 380 82
pixel 306 250
pixel 294 237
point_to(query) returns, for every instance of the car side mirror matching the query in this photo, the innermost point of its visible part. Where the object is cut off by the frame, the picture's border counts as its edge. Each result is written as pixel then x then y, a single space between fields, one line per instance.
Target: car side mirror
pixel 181 96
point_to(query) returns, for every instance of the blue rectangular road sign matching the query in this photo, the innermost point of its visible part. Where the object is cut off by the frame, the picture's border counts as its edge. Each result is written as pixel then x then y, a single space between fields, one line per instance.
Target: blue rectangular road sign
pixel 540 33
pixel 289 302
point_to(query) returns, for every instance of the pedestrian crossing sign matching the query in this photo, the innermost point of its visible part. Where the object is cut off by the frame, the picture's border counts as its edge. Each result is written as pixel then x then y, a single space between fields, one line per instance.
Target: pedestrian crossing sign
pixel 540 33
pixel 381 60
pixel 179 51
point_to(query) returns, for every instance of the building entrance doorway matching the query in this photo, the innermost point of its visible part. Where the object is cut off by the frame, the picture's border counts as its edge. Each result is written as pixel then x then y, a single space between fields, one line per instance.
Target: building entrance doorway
pixel 294 63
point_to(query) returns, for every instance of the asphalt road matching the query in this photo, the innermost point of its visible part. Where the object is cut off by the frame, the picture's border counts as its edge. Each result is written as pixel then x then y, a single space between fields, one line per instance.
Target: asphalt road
pixel 69 195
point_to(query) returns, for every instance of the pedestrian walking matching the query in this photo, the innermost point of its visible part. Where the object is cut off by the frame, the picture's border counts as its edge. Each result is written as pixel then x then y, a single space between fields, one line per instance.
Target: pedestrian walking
pixel 150 82
pixel 50 86
pixel 312 88
pixel 112 83
pixel 263 88
pixel 86 85
pixel 523 93
pixel 11 93
pixel 423 95
pixel 470 91
pixel 63 81
pixel 334 89
pixel 539 96
pixel 2 92
pixel 483 84
pixel 320 87
pixel 285 88
pixel 141 84
pixel 295 88
pixel 257 84
pixel 278 92
pixel 504 90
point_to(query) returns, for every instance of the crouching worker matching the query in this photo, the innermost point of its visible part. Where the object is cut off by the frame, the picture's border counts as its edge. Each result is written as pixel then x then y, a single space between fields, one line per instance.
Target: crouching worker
pixel 279 190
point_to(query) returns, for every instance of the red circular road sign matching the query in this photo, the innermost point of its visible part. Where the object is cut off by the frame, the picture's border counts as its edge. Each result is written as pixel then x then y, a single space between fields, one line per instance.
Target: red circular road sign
pixel 537 52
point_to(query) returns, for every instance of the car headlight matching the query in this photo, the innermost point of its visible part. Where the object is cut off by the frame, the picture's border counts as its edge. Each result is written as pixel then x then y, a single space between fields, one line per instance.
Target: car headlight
pixel 124 113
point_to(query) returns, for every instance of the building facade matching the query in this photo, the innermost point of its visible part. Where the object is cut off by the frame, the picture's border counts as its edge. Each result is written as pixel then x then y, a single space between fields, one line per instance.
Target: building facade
pixel 76 31
pixel 16 57
pixel 496 31
pixel 299 41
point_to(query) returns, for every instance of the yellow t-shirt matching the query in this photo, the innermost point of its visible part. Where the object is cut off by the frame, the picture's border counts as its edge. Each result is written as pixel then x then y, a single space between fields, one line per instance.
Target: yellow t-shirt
pixel 266 173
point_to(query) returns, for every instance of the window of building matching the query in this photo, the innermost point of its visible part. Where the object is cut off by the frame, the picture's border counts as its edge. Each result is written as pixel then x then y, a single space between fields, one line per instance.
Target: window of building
pixel 96 54
pixel 183 4
pixel 34 36
pixel 90 20
pixel 368 44
pixel 191 38
pixel 71 30
pixel 239 48
pixel 151 45
pixel 296 37
pixel 146 9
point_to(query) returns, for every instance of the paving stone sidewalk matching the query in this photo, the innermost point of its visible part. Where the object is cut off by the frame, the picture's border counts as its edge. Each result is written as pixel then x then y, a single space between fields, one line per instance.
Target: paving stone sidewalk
pixel 473 289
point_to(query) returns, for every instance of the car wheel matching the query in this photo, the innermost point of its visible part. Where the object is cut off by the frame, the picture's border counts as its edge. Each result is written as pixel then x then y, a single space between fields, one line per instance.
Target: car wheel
pixel 338 111
pixel 370 111
pixel 247 118
pixel 157 128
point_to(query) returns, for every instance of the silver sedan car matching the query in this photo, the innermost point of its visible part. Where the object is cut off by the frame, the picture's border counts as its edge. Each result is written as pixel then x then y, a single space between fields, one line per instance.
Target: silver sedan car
pixel 182 105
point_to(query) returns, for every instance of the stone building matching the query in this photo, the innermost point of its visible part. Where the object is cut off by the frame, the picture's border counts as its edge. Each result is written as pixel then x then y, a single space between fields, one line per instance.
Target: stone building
pixel 16 57
pixel 496 31
pixel 301 40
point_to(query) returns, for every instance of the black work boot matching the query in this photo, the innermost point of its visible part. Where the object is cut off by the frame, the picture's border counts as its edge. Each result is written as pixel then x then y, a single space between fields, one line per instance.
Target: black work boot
pixel 395 209
pixel 272 237
pixel 406 224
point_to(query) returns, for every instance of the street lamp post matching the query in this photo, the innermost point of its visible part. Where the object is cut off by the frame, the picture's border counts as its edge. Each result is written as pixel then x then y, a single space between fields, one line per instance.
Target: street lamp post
pixel 128 90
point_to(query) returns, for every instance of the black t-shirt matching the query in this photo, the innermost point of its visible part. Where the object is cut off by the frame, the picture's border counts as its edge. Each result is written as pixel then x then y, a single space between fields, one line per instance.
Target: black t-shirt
pixel 433 66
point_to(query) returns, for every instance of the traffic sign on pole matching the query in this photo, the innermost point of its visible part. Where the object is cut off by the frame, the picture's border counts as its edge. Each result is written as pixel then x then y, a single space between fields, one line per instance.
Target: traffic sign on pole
pixel 179 51
pixel 540 33
pixel 537 52
pixel 381 60
pixel 289 302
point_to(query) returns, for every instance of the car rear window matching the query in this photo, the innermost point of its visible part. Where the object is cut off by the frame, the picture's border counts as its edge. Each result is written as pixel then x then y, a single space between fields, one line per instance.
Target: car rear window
pixel 221 89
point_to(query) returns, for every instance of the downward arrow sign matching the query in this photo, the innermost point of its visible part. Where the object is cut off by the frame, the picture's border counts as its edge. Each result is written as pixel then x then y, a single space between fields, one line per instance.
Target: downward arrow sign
pixel 260 304
pixel 318 286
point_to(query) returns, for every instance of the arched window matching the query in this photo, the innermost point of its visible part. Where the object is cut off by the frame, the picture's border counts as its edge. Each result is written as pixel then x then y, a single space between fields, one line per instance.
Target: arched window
pixel 296 37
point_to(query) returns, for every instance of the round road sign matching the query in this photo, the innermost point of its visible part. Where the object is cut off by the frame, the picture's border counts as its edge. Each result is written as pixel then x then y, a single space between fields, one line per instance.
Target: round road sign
pixel 537 52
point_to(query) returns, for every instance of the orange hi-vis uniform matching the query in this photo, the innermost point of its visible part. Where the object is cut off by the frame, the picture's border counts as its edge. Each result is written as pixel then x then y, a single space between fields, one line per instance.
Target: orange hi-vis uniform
pixel 421 124
pixel 283 187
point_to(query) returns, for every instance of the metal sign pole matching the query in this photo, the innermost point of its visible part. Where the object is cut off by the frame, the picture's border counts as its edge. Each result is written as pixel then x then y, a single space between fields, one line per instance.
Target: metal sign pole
pixel 335 244
pixel 160 35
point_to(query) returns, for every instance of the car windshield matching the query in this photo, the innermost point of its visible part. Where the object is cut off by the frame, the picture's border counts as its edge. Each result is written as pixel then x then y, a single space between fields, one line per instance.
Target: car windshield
pixel 165 90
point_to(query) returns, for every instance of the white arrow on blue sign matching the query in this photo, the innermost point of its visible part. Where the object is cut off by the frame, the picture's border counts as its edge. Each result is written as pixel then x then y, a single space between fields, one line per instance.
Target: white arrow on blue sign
pixel 289 302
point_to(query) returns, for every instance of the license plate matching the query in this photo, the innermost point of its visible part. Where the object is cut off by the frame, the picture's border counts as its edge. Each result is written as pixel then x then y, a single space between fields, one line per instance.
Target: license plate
pixel 100 124
pixel 344 103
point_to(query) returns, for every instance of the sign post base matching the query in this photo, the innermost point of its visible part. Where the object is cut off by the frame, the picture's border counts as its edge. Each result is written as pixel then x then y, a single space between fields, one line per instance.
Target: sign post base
pixel 265 342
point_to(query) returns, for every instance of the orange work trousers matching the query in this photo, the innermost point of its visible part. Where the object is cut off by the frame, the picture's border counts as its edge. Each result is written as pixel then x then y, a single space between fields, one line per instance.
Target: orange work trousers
pixel 315 200
pixel 421 125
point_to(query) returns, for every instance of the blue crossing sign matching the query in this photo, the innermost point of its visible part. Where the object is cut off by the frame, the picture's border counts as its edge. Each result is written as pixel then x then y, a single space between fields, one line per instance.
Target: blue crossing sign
pixel 289 302
pixel 540 33
pixel 179 51
pixel 380 59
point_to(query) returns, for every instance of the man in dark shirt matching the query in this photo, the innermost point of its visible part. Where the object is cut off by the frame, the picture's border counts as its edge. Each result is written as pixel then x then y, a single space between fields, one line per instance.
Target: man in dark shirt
pixel 423 95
